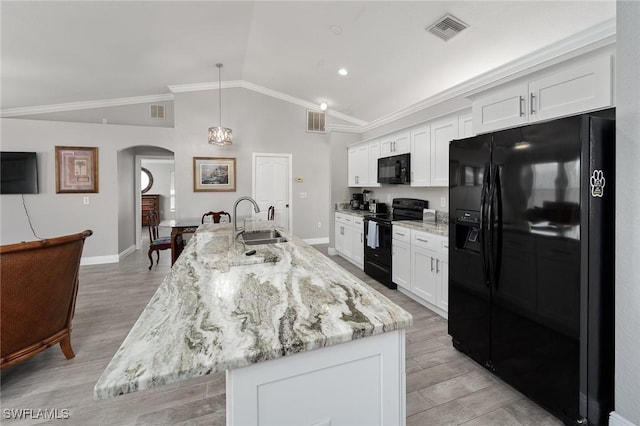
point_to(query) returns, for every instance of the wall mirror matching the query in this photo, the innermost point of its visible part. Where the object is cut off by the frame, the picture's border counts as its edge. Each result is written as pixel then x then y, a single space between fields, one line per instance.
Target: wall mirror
pixel 146 180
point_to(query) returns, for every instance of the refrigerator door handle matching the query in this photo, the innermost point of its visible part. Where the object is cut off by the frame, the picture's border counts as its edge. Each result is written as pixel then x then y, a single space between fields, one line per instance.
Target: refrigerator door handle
pixel 495 234
pixel 491 225
pixel 483 225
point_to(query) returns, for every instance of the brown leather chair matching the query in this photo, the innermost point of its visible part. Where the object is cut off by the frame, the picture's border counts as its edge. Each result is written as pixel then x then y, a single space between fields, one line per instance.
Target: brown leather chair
pixel 216 216
pixel 156 242
pixel 38 289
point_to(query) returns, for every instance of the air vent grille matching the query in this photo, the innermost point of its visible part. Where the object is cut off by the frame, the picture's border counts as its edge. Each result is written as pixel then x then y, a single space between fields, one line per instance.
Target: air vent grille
pixel 157 112
pixel 447 27
pixel 316 121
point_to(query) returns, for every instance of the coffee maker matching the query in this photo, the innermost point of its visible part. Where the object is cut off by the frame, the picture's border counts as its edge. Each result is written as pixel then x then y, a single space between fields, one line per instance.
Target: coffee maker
pixel 357 201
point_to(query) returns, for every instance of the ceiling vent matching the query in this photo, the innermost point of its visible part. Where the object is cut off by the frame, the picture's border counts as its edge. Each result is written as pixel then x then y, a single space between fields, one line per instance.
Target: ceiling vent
pixel 157 112
pixel 447 27
pixel 316 121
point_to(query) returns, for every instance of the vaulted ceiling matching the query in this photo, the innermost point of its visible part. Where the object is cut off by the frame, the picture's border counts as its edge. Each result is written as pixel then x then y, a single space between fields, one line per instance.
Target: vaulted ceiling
pixel 55 52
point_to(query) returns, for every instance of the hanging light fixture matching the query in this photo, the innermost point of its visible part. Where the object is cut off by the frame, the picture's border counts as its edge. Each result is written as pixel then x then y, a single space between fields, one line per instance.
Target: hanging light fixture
pixel 220 135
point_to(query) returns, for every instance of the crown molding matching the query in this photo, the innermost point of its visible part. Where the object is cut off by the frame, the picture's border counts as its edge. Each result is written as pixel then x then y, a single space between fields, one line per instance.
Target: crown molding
pixel 591 39
pixel 74 106
pixel 265 91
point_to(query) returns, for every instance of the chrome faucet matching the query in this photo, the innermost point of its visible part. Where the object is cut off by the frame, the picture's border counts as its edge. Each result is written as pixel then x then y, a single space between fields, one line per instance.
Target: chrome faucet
pixel 256 208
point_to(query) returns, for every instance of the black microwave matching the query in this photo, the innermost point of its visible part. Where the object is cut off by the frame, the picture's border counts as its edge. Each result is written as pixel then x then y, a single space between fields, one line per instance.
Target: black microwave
pixel 395 169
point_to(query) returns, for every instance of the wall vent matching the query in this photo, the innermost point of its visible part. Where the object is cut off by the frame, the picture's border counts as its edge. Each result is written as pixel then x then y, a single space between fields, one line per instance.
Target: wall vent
pixel 157 112
pixel 447 27
pixel 316 121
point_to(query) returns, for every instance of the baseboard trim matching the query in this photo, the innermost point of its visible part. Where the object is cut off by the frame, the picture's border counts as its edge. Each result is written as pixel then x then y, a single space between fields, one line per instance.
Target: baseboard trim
pixel 616 419
pixel 314 241
pixel 126 252
pixel 99 260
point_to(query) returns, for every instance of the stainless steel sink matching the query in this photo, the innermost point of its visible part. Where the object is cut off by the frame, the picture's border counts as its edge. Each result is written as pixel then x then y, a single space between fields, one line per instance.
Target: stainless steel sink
pixel 270 236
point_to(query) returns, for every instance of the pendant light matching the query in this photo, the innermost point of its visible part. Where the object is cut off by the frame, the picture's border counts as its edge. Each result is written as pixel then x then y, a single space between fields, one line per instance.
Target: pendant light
pixel 219 135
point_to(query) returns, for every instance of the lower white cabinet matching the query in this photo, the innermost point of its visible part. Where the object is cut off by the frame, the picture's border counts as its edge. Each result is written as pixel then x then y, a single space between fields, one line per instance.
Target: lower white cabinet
pixel 420 267
pixel 349 238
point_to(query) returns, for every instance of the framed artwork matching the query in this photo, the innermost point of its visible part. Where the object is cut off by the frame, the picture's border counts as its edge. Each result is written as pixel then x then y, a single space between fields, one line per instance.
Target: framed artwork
pixel 76 169
pixel 214 174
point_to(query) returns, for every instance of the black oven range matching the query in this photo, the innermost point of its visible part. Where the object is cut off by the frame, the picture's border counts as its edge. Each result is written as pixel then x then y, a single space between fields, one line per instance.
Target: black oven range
pixel 377 237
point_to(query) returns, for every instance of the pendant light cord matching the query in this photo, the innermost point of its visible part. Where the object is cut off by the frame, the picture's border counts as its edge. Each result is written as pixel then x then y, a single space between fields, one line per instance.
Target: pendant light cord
pixel 219 94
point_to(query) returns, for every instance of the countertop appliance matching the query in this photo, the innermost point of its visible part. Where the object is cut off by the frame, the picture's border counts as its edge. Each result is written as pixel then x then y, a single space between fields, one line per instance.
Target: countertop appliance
pixel 531 261
pixel 377 243
pixel 357 200
pixel 395 169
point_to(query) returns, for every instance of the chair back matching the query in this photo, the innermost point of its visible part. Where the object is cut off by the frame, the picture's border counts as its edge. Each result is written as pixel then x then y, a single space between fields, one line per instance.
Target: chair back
pixel 38 289
pixel 216 216
pixel 153 220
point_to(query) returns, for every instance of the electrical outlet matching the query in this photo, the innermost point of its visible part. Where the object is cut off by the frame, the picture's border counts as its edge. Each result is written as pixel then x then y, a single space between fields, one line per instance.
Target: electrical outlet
pixel 303 195
pixel 443 201
pixel 85 200
pixel 319 225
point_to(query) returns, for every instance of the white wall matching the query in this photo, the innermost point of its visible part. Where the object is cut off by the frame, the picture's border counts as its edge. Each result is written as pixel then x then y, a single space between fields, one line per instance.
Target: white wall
pixel 126 201
pixel 59 214
pixel 260 124
pixel 627 380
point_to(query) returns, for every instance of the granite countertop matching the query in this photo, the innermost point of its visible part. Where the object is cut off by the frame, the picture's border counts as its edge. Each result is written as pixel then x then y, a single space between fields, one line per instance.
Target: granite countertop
pixel 358 213
pixel 430 227
pixel 219 309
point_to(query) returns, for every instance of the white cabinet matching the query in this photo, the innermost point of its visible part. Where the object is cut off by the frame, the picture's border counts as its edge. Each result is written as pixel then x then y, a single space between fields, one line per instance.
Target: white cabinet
pixel 420 263
pixel 395 144
pixel 443 131
pixel 349 237
pixel 575 88
pixel 421 156
pixel 401 257
pixel 357 241
pixel 465 126
pixel 363 164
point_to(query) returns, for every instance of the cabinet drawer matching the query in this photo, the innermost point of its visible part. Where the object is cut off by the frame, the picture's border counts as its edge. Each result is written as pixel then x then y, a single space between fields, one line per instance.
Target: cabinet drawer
pixel 425 240
pixel 358 221
pixel 401 234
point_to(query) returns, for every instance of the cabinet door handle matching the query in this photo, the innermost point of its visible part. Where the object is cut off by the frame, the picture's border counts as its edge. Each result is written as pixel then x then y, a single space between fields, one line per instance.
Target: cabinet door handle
pixel 424 241
pixel 402 235
pixel 432 264
pixel 532 103
pixel 361 240
pixel 342 230
pixel 521 106
pixel 437 266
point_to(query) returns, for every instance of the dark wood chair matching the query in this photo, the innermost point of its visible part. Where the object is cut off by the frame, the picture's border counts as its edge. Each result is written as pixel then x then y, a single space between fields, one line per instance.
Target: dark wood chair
pixel 38 289
pixel 156 242
pixel 216 216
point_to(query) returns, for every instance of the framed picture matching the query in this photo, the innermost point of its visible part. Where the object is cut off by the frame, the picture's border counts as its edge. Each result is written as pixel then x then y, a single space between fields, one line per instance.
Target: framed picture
pixel 214 174
pixel 76 169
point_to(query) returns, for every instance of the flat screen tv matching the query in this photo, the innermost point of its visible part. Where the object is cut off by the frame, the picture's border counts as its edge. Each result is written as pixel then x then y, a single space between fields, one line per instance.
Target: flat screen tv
pixel 19 171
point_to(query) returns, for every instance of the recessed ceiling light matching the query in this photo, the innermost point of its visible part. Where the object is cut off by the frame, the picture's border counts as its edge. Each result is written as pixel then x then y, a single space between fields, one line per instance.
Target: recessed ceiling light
pixel 343 71
pixel 323 106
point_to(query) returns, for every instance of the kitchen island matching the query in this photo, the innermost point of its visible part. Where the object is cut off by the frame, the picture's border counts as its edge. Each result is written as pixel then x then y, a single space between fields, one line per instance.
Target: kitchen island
pixel 302 340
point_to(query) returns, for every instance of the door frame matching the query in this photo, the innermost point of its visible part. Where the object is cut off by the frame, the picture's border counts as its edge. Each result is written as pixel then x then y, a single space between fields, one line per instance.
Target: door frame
pixel 290 178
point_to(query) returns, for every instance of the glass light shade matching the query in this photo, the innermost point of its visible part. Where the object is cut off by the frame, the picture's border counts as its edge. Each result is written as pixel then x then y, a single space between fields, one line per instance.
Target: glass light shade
pixel 220 136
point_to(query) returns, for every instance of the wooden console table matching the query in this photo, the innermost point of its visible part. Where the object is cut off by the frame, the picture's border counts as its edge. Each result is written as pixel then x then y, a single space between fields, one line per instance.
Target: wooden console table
pixel 178 228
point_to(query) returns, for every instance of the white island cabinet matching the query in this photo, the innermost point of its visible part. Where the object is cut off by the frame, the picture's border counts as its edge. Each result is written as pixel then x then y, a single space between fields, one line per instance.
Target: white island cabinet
pixel 302 341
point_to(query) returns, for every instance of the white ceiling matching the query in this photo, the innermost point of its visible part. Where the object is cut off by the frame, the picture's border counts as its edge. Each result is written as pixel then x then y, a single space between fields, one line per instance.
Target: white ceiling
pixel 58 52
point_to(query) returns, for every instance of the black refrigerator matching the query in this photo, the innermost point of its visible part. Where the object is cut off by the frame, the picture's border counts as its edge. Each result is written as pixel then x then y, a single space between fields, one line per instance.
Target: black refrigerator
pixel 531 260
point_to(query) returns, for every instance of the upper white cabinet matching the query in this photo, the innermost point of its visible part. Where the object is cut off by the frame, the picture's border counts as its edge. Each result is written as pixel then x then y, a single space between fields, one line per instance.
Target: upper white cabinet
pixel 443 131
pixel 465 126
pixel 395 144
pixel 421 156
pixel 363 164
pixel 575 88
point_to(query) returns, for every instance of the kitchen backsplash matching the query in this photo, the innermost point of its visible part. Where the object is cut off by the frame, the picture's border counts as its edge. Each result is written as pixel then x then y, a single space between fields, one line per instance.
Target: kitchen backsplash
pixel 441 216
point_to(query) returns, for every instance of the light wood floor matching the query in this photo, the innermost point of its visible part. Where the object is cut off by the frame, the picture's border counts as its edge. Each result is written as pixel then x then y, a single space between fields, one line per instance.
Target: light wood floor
pixel 443 386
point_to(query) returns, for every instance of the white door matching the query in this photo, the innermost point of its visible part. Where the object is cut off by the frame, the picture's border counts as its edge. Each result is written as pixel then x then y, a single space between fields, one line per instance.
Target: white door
pixel 272 186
